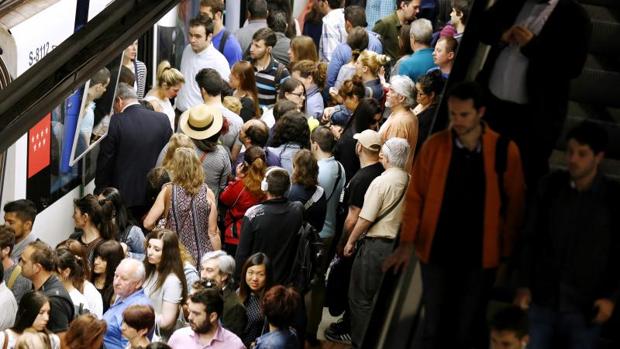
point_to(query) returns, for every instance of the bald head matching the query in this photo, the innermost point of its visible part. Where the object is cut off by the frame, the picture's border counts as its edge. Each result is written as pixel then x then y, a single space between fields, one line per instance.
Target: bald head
pixel 128 277
pixel 254 132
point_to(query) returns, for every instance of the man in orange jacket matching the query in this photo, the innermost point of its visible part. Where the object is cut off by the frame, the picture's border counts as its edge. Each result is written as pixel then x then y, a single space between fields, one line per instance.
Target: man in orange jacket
pixel 461 214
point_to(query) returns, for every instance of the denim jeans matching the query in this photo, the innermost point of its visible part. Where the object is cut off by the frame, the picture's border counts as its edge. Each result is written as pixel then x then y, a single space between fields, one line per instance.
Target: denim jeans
pixel 571 327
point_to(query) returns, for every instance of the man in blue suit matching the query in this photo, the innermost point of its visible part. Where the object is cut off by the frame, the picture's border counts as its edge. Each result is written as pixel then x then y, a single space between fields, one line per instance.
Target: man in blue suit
pixel 129 151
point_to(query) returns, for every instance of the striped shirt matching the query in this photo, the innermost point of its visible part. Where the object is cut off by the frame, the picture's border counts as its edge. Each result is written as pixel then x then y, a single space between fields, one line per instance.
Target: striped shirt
pixel 266 82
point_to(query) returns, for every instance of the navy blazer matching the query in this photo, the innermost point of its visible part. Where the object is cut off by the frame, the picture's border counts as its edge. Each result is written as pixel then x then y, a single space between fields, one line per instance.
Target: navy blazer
pixel 129 151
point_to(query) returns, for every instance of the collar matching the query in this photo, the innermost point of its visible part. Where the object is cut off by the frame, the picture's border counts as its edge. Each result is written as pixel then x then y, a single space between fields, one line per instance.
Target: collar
pixel 129 105
pixel 595 187
pixel 138 293
pixel 335 13
pixel 422 50
pixel 47 282
pixel 393 18
pixel 218 337
pixel 257 21
pixel 311 91
pixel 460 145
pixel 275 201
pixel 268 67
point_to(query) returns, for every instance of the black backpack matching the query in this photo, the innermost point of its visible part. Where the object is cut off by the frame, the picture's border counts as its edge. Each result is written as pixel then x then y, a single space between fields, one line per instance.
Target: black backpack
pixel 310 253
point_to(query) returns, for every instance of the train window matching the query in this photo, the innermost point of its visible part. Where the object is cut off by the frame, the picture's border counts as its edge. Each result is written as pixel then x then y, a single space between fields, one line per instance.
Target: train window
pixel 96 109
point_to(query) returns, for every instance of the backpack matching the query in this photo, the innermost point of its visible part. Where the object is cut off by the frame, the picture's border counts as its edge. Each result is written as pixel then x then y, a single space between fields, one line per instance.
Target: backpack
pixel 310 253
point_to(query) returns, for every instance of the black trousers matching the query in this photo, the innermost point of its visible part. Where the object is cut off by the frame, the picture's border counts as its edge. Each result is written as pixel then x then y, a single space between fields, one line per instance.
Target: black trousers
pixel 455 300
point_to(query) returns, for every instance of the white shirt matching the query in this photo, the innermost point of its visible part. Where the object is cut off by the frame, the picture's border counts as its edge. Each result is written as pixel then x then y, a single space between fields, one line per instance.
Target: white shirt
pixel 509 75
pixel 166 107
pixel 268 117
pixel 93 299
pixel 191 64
pixel 8 304
pixel 333 33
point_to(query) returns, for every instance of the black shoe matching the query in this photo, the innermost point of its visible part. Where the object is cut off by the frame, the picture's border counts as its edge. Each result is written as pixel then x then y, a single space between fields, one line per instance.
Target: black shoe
pixel 338 332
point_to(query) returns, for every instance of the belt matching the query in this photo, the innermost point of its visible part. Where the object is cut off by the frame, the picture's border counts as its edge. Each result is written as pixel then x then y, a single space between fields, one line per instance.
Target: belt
pixel 379 238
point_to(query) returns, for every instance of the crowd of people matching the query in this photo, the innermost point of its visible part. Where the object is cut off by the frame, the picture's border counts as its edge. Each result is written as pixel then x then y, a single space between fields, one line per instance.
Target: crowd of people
pixel 193 233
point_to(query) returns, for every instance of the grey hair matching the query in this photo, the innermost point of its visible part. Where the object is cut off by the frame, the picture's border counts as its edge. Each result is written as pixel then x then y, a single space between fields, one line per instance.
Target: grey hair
pixel 139 273
pixel 226 263
pixel 124 91
pixel 396 150
pixel 404 86
pixel 422 31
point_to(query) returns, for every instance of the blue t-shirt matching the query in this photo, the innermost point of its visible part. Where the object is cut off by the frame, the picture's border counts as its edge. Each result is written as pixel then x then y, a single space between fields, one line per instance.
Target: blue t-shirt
pixel 418 64
pixel 232 49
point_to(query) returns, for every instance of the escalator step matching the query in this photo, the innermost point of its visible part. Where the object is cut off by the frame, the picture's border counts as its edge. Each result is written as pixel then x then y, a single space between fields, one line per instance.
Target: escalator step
pixel 605 29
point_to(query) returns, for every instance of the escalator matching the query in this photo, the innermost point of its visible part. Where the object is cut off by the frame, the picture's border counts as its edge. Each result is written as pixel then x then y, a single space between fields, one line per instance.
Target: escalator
pixel 594 96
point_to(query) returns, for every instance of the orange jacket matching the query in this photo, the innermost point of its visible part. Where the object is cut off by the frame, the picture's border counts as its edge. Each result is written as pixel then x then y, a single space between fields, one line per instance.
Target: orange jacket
pixel 426 191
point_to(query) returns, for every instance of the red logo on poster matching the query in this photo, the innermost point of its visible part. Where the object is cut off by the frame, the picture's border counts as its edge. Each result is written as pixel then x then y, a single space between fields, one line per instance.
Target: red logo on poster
pixel 39 145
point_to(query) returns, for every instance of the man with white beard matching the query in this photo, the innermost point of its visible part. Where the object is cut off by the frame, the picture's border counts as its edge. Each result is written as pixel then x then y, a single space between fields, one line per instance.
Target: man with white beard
pixel 402 122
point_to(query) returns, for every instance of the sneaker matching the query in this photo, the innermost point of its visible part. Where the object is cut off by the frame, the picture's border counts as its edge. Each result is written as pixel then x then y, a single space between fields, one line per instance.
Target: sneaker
pixel 340 326
pixel 339 333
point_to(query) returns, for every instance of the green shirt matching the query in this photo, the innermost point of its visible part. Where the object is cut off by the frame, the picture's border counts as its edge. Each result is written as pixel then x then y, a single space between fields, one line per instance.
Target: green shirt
pixel 388 27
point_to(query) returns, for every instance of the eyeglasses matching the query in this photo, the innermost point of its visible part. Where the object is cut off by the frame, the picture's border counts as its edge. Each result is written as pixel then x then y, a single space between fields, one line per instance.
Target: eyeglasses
pixel 300 94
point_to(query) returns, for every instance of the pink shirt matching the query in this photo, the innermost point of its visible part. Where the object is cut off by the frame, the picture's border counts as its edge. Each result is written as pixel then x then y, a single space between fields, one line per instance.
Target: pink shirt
pixel 185 338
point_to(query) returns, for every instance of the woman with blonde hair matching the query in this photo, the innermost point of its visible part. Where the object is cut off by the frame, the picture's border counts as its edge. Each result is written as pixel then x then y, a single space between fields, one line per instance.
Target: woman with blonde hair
pixel 177 140
pixel 187 206
pixel 241 194
pixel 313 75
pixel 243 82
pixel 302 47
pixel 165 282
pixel 368 65
pixel 169 83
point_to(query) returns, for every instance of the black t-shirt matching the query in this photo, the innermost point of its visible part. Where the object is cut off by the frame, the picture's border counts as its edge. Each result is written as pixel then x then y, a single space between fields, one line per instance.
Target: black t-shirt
pixel 359 184
pixel 459 232
pixel 314 215
pixel 61 305
pixel 345 152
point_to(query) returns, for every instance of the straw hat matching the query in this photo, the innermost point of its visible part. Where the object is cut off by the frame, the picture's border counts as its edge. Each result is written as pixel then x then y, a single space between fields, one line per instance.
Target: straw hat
pixel 201 122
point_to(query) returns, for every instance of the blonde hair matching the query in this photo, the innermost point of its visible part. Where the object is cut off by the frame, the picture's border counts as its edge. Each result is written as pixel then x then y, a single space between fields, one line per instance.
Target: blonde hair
pixel 168 75
pixel 32 339
pixel 233 104
pixel 178 140
pixel 186 257
pixel 373 60
pixel 187 170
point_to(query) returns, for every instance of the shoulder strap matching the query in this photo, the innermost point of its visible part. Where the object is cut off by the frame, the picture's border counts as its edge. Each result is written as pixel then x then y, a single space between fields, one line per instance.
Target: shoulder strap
pixel 6 340
pixel 223 41
pixel 14 274
pixel 501 164
pixel 337 181
pixel 314 198
pixel 391 208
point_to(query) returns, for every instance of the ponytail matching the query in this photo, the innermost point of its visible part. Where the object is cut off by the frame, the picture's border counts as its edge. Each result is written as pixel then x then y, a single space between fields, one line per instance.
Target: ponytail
pixel 317 70
pixel 168 75
pixel 77 266
pixel 255 168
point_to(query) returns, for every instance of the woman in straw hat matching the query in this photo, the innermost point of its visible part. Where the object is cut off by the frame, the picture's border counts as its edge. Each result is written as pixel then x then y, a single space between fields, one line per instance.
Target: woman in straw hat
pixel 187 205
